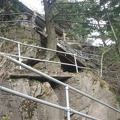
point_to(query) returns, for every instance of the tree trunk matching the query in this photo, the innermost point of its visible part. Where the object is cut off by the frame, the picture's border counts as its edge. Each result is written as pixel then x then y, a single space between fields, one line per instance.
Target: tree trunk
pixel 51 39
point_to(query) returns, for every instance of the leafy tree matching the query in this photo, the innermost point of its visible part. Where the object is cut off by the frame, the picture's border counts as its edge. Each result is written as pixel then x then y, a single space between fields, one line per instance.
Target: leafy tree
pixel 71 15
pixel 112 17
pixel 9 6
pixel 80 19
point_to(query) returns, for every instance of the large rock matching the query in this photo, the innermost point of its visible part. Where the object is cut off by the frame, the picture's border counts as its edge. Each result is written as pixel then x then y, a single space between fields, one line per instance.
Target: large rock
pixel 97 88
pixel 22 109
pixel 50 67
pixel 76 46
pixel 20 34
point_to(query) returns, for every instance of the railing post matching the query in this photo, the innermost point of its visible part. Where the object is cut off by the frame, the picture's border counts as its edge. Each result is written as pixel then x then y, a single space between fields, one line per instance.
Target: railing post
pixel 19 53
pixel 67 102
pixel 76 63
pixel 81 53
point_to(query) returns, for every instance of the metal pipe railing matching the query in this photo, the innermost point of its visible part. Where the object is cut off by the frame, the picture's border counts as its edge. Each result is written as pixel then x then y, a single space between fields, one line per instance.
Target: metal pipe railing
pixel 67 108
pixel 42 60
pixel 24 20
pixel 67 102
pixel 32 15
pixel 58 82
pixel 65 53
pixel 33 22
pixel 37 16
pixel 32 98
pixel 19 53
pixel 37 47
pixel 45 102
pixel 67 87
pixel 12 13
pixel 76 63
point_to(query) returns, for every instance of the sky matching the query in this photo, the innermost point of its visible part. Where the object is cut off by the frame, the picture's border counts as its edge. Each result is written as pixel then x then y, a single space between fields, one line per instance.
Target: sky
pixel 37 4
pixel 34 4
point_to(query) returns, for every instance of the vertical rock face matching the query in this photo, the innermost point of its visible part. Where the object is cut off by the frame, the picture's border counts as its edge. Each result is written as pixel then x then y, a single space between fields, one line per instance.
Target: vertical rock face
pixel 49 67
pixel 20 34
pixel 22 109
pixel 26 34
pixel 97 88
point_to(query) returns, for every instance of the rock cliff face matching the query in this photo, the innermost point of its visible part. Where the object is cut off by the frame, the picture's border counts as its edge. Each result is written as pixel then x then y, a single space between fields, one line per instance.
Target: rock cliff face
pixel 22 109
pixel 96 87
pixel 16 108
pixel 13 107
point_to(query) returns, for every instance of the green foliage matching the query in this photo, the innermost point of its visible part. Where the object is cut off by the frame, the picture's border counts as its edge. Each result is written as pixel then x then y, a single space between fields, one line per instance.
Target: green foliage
pixel 111 59
pixel 86 12
pixel 114 56
pixel 7 117
pixel 118 98
pixel 11 6
pixel 103 49
pixel 79 15
pixel 112 13
pixel 29 108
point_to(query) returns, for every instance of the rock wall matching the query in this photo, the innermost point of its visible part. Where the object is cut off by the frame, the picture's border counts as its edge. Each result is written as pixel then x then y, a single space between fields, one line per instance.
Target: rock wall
pixel 22 109
pixel 24 32
pixel 13 107
pixel 97 88
pixel 20 34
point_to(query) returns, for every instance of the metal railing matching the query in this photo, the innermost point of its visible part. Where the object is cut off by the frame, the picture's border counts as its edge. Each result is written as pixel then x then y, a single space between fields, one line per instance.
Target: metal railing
pixel 67 87
pixel 87 56
pixel 33 16
pixel 68 109
pixel 20 57
pixel 32 21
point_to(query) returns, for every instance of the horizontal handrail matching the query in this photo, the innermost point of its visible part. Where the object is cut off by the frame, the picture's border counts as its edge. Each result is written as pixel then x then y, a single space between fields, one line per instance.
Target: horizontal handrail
pixel 14 21
pixel 31 98
pixel 18 13
pixel 67 109
pixel 66 53
pixel 43 60
pixel 32 23
pixel 44 102
pixel 29 21
pixel 57 81
pixel 17 20
pixel 22 13
pixel 9 21
pixel 32 15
